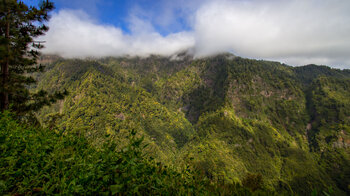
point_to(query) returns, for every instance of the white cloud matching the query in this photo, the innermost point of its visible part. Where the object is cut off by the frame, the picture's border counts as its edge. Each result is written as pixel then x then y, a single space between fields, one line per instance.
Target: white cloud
pixel 295 32
pixel 73 34
pixel 309 31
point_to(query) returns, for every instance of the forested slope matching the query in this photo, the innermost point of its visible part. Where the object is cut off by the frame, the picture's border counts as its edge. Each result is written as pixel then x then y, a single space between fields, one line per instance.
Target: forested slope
pixel 231 118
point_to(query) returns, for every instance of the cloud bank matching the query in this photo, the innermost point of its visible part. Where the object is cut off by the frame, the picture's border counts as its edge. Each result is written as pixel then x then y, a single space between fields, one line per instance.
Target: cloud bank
pixel 73 34
pixel 294 32
pixel 308 31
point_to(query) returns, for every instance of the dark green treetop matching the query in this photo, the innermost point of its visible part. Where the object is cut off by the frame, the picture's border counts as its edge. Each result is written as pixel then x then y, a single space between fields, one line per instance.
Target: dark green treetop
pixel 19 26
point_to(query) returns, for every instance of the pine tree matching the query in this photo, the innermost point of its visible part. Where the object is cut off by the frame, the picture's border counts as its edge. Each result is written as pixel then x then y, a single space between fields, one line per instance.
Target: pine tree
pixel 19 26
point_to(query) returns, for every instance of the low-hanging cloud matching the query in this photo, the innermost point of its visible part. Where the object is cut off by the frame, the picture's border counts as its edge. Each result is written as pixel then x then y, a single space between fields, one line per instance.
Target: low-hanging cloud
pixel 73 34
pixel 294 32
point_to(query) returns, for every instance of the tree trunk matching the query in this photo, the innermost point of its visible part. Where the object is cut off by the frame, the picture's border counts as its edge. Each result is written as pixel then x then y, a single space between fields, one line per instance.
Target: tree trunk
pixel 5 71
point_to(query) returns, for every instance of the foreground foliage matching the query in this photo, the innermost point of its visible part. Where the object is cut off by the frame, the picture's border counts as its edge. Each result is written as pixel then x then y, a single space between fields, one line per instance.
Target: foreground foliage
pixel 38 161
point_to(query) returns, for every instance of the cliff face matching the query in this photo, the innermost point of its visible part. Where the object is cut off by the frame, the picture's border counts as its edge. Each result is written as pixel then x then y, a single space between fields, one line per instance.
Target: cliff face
pixel 224 115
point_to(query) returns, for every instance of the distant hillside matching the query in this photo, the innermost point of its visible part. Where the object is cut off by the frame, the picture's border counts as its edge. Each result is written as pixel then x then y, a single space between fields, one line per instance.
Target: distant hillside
pixel 226 116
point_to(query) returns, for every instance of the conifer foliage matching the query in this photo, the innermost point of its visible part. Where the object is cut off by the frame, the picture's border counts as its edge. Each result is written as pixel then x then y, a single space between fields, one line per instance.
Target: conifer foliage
pixel 19 26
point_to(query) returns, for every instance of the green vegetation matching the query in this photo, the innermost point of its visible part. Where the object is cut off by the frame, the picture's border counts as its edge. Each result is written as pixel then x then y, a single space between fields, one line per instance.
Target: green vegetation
pixel 221 125
pixel 19 26
pixel 39 161
pixel 52 162
pixel 215 124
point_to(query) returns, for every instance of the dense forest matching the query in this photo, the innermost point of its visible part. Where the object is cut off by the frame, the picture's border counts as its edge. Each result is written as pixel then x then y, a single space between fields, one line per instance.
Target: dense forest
pixel 217 125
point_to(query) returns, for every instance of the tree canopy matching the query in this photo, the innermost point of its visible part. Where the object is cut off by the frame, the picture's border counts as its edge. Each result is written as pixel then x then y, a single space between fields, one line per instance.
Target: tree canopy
pixel 19 51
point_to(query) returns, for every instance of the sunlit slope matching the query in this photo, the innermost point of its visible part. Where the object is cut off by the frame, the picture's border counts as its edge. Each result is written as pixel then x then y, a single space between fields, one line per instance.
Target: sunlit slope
pixel 101 103
pixel 226 116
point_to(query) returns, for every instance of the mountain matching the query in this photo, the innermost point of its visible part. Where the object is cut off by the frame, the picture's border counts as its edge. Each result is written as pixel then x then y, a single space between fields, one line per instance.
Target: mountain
pixel 228 117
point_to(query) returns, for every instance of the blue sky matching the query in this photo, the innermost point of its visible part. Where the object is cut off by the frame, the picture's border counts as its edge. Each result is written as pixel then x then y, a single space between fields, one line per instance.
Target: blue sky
pixel 295 32
pixel 117 12
pixel 104 11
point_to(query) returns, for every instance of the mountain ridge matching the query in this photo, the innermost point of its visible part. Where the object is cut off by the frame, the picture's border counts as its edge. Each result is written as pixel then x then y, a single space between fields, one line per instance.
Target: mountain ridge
pixel 225 116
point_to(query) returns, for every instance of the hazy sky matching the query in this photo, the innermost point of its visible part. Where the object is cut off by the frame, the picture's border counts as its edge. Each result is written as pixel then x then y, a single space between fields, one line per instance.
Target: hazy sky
pixel 295 32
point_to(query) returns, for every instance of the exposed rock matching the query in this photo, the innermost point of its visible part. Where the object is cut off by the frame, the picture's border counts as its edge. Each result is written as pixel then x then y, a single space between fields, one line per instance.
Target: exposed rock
pixel 120 116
